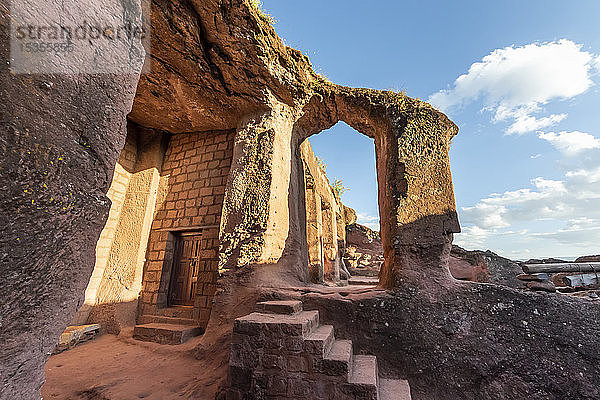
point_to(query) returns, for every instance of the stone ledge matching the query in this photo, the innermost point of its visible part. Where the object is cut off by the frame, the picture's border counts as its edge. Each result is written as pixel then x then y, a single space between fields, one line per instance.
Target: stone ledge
pixel 300 324
pixel 337 362
pixel 74 335
pixel 320 341
pixel 165 333
pixel 285 307
pixel 394 389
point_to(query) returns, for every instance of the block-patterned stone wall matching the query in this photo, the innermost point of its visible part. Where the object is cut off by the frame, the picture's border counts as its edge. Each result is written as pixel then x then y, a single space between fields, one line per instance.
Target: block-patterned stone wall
pixel 194 175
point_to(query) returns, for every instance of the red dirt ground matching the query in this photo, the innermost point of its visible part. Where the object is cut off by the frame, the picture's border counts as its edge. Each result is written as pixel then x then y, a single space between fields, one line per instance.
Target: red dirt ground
pixel 120 368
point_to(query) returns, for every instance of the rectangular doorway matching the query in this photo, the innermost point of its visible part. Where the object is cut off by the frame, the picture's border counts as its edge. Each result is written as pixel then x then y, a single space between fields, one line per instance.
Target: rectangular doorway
pixel 184 274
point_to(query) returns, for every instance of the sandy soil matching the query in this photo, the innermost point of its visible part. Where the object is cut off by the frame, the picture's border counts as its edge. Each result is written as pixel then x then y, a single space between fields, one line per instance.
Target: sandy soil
pixel 120 368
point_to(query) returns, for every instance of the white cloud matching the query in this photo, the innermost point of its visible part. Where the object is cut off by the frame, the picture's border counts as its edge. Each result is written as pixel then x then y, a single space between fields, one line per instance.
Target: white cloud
pixel 584 176
pixel 485 215
pixel 370 221
pixel 567 210
pixel 548 185
pixel 524 123
pixel 582 223
pixel 472 237
pixel 579 232
pixel 515 85
pixel 515 82
pixel 571 143
pixel 502 210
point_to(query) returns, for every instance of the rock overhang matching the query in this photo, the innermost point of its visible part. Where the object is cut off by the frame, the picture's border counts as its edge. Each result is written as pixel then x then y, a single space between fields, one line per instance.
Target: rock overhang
pixel 210 64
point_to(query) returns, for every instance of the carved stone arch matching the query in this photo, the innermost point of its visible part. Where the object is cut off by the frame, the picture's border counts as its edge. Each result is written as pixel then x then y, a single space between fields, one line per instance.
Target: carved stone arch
pixel 416 197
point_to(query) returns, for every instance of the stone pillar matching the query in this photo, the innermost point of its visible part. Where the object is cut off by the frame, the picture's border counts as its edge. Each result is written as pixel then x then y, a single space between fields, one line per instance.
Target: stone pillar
pixel 330 245
pixel 255 224
pixel 341 242
pixel 416 196
pixel 314 233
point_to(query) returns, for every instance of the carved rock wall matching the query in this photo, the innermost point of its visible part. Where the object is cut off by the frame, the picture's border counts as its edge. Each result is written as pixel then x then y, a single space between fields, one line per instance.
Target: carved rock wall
pixel 60 139
pixel 473 341
pixel 193 179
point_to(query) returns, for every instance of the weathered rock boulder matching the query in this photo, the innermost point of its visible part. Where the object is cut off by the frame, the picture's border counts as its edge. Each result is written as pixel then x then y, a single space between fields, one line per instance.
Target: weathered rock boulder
pixel 349 215
pixel 364 237
pixel 588 259
pixel 364 250
pixel 544 261
pixel 484 267
pixel 473 341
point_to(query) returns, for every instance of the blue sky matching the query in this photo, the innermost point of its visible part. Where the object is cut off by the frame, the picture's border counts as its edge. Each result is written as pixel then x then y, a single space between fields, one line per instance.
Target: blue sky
pixel 526 163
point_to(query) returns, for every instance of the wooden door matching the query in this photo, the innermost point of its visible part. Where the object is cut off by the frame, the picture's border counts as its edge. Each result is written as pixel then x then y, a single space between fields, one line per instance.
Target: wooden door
pixel 184 274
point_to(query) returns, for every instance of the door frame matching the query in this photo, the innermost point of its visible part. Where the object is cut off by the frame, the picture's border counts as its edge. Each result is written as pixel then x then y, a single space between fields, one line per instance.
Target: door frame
pixel 178 240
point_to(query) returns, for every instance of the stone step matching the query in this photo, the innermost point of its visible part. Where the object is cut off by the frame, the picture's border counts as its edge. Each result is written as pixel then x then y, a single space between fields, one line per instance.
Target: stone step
pixel 338 361
pixel 76 334
pixel 320 341
pixel 165 333
pixel 159 319
pixel 277 325
pixel 363 380
pixel 363 281
pixel 176 312
pixel 394 389
pixel 286 307
pixel 364 370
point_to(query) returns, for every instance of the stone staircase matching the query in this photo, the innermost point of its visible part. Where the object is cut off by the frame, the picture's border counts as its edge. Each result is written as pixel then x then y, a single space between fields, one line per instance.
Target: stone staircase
pixel 176 326
pixel 281 352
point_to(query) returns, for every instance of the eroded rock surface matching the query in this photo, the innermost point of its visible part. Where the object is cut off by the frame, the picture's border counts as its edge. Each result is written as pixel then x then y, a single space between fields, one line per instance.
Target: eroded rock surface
pixel 60 138
pixel 364 251
pixel 214 63
pixel 57 163
pixel 544 261
pixel 484 267
pixel 473 341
